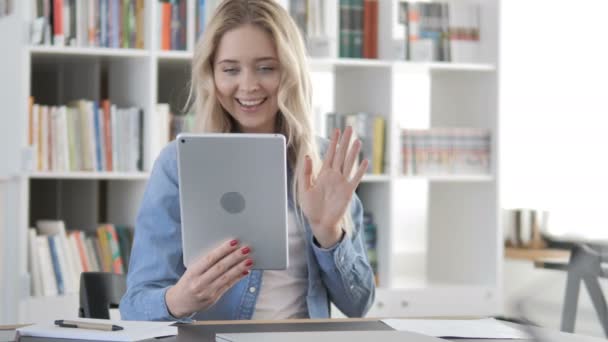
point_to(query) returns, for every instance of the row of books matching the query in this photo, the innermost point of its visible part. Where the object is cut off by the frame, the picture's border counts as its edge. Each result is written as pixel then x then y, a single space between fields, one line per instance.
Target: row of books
pixel 166 125
pixel 358 35
pixel 445 151
pixel 439 31
pixel 56 256
pixel 173 20
pixel 371 129
pixel 92 23
pixel 371 241
pixel 86 136
pixel 309 16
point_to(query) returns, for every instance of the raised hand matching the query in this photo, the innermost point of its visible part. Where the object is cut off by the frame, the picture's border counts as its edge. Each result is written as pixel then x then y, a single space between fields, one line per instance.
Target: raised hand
pixel 324 198
pixel 208 278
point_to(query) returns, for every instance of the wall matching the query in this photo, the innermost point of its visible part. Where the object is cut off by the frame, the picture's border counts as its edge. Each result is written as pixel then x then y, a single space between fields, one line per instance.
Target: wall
pixel 554 67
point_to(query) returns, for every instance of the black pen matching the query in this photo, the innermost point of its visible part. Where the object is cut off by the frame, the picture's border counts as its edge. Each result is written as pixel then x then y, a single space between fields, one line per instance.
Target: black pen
pixel 87 325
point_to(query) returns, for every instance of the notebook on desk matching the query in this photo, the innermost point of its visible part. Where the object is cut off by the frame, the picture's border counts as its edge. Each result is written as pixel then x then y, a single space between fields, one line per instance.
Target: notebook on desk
pixel 132 331
pixel 327 336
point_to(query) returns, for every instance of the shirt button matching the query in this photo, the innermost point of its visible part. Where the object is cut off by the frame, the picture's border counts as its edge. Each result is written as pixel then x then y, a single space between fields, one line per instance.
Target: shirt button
pixel 342 259
pixel 252 289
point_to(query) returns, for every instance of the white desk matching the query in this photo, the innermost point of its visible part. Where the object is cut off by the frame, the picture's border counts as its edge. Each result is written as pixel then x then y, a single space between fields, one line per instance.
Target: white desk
pixel 190 333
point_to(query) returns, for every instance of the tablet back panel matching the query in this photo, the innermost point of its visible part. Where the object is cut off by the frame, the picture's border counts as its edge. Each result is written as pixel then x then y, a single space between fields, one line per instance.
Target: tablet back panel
pixel 234 186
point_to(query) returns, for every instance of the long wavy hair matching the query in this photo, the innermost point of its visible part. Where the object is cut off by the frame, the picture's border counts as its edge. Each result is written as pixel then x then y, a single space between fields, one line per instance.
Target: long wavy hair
pixel 294 119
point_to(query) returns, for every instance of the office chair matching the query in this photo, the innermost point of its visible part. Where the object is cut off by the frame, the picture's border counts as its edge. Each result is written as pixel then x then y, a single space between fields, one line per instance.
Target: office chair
pixel 585 265
pixel 100 292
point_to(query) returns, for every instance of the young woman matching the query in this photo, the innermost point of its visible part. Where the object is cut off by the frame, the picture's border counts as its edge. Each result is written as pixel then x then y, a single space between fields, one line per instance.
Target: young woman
pixel 249 74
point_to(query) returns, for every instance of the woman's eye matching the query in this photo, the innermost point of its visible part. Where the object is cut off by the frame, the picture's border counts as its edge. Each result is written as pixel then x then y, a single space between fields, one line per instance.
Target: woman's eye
pixel 266 68
pixel 230 70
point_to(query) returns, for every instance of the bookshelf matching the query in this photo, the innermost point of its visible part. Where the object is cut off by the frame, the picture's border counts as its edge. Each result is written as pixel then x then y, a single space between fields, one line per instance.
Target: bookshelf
pixel 438 235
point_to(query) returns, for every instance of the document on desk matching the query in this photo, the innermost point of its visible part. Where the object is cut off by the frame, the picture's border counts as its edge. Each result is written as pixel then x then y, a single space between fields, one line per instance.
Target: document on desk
pixel 487 328
pixel 132 330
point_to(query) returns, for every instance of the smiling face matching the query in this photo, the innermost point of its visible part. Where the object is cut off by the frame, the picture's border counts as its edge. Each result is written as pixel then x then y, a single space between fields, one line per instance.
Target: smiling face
pixel 247 74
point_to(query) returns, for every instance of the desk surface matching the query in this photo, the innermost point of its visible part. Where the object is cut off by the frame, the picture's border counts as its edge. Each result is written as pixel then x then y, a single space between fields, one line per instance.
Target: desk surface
pixel 532 254
pixel 186 335
pixel 205 331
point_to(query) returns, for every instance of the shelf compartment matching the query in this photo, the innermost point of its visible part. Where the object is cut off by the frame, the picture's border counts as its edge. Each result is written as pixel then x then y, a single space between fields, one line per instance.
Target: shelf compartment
pixel 370 178
pixel 37 309
pixel 185 56
pixel 90 175
pixel 450 178
pixel 87 52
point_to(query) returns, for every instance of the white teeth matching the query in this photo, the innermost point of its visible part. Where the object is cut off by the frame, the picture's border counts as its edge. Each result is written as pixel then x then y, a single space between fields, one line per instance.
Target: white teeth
pixel 251 103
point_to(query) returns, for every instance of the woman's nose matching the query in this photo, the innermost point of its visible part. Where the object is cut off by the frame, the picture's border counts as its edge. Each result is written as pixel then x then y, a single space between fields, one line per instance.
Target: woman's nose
pixel 249 82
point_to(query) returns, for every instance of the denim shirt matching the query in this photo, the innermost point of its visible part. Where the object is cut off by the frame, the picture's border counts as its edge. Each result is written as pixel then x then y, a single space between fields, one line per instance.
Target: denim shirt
pixel 340 274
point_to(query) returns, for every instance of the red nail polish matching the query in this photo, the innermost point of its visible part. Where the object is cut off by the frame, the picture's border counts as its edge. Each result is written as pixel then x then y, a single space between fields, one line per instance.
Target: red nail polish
pixel 249 262
pixel 245 250
pixel 233 243
pixel 245 272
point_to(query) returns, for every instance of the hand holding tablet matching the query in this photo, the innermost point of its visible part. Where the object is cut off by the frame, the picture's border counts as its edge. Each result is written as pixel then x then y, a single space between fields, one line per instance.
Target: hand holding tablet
pixel 208 278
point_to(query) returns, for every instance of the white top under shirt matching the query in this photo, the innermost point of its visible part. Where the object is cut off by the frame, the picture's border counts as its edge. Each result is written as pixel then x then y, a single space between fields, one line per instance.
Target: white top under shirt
pixel 283 293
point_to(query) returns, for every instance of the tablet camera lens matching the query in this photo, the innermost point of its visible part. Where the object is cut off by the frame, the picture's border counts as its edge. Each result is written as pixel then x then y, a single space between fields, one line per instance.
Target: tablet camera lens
pixel 183 141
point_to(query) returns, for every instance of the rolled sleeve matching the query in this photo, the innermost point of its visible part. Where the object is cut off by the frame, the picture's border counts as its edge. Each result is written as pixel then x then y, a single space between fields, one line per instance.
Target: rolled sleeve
pixel 335 257
pixel 156 261
pixel 345 269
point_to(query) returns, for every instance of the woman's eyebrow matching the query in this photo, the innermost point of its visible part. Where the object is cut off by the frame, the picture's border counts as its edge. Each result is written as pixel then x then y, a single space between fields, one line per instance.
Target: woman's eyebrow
pixel 263 59
pixel 260 59
pixel 230 61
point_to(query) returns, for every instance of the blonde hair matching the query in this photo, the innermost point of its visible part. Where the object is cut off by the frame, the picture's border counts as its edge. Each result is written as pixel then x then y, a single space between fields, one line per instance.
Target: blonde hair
pixel 294 94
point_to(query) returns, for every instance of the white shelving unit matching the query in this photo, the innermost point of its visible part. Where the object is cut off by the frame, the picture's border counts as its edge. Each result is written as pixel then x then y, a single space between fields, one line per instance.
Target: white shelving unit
pixel 438 235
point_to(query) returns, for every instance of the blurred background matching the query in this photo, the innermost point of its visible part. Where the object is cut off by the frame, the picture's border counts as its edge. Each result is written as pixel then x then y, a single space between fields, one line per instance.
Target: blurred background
pixel 484 121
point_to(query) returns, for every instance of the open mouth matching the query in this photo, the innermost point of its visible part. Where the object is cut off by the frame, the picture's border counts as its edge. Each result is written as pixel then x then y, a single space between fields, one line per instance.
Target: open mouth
pixel 251 103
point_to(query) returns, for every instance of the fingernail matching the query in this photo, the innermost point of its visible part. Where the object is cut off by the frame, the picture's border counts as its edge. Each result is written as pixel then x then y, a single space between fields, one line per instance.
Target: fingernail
pixel 245 272
pixel 249 262
pixel 245 250
pixel 233 243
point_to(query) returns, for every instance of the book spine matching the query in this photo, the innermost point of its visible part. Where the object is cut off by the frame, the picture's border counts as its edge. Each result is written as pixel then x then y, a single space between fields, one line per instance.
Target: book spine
pixel 53 247
pixel 112 238
pixel 200 18
pixel 139 24
pixel 58 32
pixel 165 23
pixel 97 136
pixel 47 267
pixel 356 40
pixel 344 29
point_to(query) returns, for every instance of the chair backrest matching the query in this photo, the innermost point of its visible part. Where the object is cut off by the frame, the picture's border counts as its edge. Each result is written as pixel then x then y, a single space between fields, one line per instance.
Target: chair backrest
pixel 99 292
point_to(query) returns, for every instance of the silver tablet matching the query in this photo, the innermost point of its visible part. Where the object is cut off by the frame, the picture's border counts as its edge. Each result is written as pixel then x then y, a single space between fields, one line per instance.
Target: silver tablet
pixel 234 186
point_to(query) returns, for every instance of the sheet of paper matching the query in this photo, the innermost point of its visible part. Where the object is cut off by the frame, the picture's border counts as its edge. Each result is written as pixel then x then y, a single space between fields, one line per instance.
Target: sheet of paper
pixel 458 328
pixel 133 330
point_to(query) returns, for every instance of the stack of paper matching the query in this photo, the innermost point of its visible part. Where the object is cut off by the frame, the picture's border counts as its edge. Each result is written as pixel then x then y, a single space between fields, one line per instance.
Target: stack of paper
pixel 132 331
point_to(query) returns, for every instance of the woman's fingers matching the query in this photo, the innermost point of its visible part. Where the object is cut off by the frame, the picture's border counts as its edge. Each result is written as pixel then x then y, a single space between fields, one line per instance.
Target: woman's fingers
pixel 224 265
pixel 204 263
pixel 338 160
pixel 331 150
pixel 351 158
pixel 231 277
pixel 306 182
pixel 359 174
